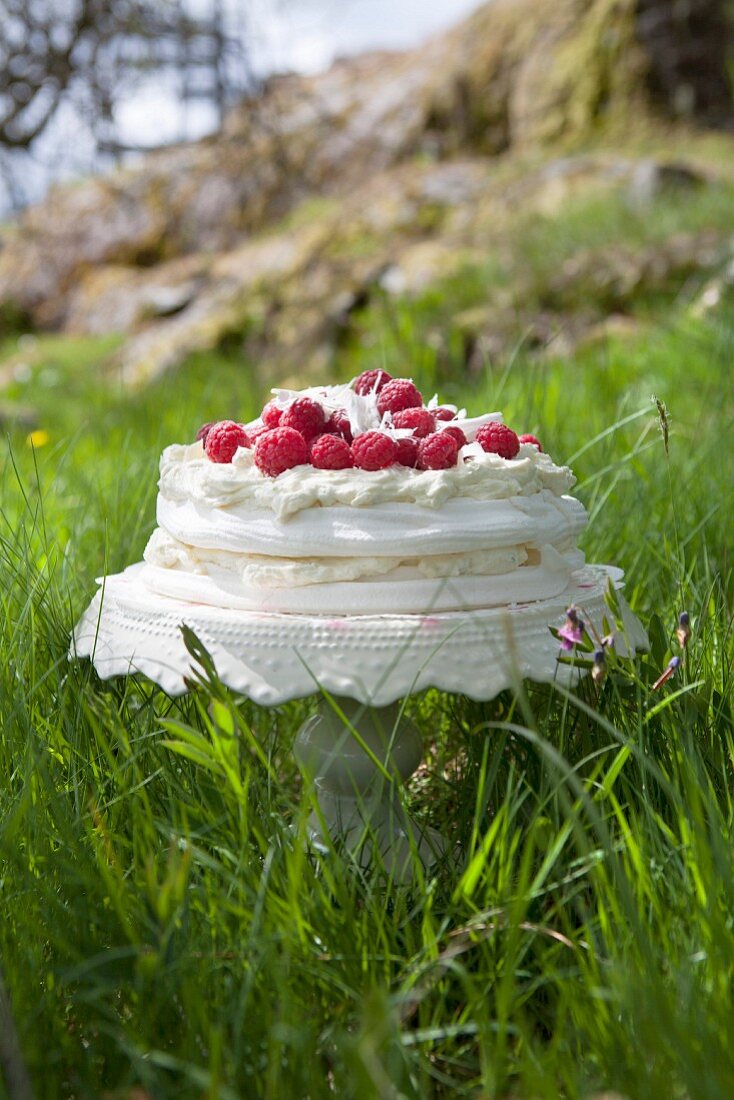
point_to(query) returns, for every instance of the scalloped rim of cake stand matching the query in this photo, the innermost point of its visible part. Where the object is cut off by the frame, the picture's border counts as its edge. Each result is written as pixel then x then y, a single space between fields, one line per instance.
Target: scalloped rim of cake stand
pixel 375 659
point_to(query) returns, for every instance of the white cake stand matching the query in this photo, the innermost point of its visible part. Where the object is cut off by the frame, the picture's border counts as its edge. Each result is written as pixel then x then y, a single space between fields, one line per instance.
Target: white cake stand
pixel 358 746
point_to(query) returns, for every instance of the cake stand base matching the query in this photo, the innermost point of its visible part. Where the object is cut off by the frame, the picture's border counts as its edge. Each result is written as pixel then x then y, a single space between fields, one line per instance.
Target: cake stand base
pixel 357 757
pixel 272 657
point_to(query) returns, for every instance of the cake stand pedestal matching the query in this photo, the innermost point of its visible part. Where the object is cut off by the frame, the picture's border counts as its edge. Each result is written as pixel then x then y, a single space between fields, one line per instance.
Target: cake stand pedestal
pixel 357 757
pixel 358 745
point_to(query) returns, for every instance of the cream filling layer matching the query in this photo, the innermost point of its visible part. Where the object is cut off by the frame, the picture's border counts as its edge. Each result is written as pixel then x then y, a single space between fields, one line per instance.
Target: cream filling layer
pixel 400 591
pixel 259 570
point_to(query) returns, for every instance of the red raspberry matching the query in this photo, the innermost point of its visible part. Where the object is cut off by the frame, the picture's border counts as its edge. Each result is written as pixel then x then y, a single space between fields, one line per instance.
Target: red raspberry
pixel 371 381
pixel 280 449
pixel 306 416
pixel 498 439
pixel 407 452
pixel 338 424
pixel 437 452
pixel 531 439
pixel 399 394
pixel 374 451
pixel 203 431
pixel 271 414
pixel 456 434
pixel 223 439
pixel 331 452
pixel 444 414
pixel 254 433
pixel 421 421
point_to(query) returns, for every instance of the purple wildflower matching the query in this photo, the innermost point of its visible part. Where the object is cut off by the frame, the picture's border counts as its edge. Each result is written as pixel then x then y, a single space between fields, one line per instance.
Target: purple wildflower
pixel 683 632
pixel 673 665
pixel 572 631
pixel 599 667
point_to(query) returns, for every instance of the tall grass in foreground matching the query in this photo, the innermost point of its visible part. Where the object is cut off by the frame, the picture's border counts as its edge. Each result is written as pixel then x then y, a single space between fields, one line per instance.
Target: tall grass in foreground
pixel 161 926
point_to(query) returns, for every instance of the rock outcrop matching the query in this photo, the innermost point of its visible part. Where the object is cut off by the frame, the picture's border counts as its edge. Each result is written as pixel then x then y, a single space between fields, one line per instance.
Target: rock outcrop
pixel 386 170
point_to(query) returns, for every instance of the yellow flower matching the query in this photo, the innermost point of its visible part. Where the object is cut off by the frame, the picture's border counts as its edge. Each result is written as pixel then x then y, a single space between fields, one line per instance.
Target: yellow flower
pixel 38 438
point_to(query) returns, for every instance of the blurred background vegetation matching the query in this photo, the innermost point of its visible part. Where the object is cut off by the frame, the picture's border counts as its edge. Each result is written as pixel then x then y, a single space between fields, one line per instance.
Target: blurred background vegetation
pixel 564 167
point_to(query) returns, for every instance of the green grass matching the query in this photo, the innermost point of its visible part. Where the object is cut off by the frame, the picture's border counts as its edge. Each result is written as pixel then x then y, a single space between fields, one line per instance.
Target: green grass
pixel 160 924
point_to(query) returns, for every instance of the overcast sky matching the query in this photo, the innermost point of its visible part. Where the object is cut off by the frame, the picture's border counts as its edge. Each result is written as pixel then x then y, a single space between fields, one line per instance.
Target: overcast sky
pixel 307 34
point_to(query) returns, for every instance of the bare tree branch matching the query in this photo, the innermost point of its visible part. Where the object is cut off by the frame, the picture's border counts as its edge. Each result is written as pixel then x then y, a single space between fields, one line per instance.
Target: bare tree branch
pixel 49 50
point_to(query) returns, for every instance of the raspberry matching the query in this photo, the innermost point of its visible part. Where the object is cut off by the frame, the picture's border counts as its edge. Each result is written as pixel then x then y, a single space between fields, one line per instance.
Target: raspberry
pixel 531 439
pixel 254 434
pixel 421 421
pixel 371 381
pixel 203 431
pixel 407 452
pixel 223 439
pixel 331 452
pixel 437 452
pixel 280 449
pixel 338 424
pixel 457 434
pixel 398 394
pixel 498 439
pixel 271 414
pixel 374 451
pixel 444 414
pixel 306 416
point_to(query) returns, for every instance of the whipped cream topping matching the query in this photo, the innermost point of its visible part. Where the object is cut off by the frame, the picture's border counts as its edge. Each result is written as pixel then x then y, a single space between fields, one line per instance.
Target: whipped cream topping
pixel 188 475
